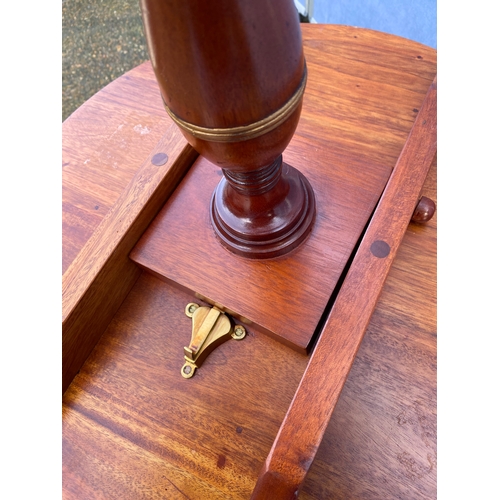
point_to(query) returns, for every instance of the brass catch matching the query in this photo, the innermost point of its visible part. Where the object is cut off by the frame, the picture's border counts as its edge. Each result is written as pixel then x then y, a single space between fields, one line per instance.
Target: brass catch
pixel 211 327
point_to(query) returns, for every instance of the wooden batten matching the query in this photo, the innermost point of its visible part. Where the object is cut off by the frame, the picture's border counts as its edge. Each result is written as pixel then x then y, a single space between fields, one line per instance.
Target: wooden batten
pixel 102 275
pixel 296 444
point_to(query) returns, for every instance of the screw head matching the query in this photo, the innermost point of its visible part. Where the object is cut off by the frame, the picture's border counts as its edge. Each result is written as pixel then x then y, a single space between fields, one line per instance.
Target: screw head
pixel 239 331
pixel 190 309
pixel 187 371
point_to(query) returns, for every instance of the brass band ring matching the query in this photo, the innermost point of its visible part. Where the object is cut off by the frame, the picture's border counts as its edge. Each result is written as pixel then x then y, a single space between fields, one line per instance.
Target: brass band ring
pixel 245 132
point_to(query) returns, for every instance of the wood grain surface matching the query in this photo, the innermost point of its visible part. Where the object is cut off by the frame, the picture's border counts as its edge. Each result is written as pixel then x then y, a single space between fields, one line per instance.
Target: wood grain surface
pixel 201 437
pixel 283 297
pixel 232 76
pixel 103 145
pixel 134 428
pixel 381 441
pixel 304 425
pixel 343 119
pixel 101 275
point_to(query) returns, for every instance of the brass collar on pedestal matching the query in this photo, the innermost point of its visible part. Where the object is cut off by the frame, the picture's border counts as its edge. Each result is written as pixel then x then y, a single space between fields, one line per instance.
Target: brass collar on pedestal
pixel 245 132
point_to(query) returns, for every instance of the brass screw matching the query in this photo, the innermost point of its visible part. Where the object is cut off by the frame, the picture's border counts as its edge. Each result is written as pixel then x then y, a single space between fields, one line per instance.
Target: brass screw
pixel 187 371
pixel 239 331
pixel 190 309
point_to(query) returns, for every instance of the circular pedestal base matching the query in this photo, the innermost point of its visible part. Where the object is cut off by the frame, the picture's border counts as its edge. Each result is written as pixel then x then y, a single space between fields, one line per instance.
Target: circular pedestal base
pixel 268 224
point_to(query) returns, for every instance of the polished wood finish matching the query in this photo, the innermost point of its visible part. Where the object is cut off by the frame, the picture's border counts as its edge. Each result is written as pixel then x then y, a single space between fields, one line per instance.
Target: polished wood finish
pixel 381 441
pixel 302 430
pixel 263 213
pixel 226 65
pixel 101 275
pixel 283 297
pixel 103 145
pixel 134 428
pixel 424 211
pixel 286 297
pixel 232 75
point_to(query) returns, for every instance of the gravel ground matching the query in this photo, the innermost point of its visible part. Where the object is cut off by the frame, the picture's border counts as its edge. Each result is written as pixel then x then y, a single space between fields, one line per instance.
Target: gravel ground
pixel 102 39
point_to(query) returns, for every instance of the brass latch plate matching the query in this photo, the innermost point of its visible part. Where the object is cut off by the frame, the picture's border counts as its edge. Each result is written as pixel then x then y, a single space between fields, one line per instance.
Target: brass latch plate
pixel 211 328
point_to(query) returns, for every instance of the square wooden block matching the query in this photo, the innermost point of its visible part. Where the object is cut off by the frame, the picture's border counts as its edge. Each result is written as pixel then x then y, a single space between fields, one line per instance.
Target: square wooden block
pixel 284 297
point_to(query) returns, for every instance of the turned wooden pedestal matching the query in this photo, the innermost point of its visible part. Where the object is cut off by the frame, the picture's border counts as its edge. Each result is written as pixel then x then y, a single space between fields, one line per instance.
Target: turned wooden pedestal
pixel 132 426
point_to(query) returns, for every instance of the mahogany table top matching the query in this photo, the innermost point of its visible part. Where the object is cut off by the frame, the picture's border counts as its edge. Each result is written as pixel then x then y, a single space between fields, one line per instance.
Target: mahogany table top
pixel 134 428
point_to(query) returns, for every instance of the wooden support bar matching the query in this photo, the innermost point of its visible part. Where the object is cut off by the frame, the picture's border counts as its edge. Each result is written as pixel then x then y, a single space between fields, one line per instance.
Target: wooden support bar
pixel 100 277
pixel 305 423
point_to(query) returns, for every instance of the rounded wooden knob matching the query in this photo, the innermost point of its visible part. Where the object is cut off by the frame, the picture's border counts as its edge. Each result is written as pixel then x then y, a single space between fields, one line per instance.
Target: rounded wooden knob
pixel 424 211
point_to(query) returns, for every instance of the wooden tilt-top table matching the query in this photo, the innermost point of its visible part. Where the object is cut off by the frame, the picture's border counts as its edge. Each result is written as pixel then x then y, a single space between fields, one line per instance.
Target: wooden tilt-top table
pixel 132 426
